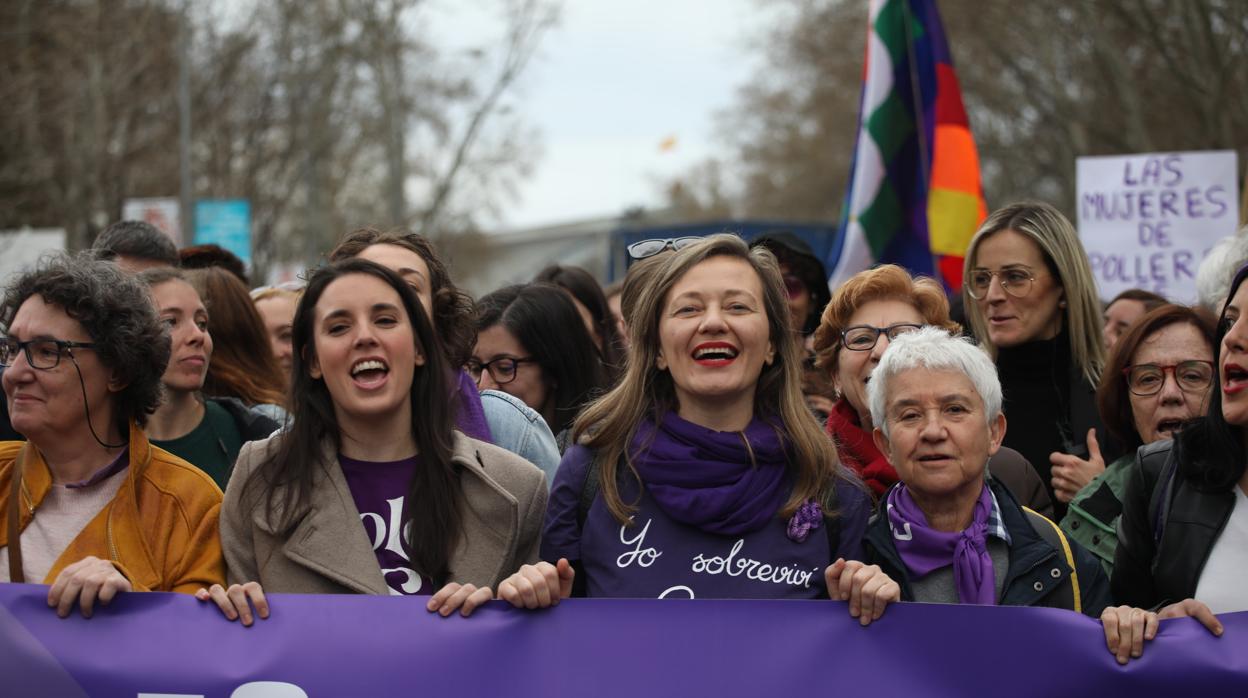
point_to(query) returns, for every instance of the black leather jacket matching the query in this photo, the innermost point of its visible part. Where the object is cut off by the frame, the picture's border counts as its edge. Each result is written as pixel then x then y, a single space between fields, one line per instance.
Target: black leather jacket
pixel 1162 548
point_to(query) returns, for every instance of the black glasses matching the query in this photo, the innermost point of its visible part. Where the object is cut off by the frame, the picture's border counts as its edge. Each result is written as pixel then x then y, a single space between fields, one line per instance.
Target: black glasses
pixel 864 337
pixel 502 369
pixel 1015 281
pixel 649 248
pixel 1146 379
pixel 44 354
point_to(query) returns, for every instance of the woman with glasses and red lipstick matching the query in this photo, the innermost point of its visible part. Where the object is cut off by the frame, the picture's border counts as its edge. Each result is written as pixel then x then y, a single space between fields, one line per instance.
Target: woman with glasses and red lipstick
pixel 532 344
pixel 1031 300
pixel 702 474
pixel 88 504
pixel 1157 380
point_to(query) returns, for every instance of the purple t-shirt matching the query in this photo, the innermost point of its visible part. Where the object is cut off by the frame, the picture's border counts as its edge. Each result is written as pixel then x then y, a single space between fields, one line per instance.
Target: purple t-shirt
pixel 379 490
pixel 658 557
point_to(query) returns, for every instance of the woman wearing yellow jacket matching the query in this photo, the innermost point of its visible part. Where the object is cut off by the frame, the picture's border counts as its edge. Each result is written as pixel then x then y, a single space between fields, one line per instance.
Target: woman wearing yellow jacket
pixel 99 509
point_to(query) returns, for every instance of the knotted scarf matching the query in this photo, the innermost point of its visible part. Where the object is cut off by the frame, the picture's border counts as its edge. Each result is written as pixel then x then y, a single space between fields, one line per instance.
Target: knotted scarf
pixel 924 549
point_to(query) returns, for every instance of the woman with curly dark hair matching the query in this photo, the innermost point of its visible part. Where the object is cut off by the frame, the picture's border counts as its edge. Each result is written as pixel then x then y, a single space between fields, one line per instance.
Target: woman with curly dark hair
pixel 89 505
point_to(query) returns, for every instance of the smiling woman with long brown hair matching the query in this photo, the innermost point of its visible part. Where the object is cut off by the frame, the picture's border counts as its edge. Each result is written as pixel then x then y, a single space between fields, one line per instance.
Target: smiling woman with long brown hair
pixel 371 489
pixel 705 450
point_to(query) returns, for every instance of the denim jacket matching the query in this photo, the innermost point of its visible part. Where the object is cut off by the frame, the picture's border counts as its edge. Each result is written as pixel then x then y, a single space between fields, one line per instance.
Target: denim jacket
pixel 520 429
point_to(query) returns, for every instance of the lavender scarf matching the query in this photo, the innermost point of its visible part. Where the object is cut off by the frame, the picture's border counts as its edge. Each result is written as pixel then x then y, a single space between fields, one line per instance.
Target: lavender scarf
pixel 924 549
pixel 706 479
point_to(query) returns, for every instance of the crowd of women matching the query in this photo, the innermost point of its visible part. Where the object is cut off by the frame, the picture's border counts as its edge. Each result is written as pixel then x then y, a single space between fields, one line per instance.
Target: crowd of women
pixel 718 426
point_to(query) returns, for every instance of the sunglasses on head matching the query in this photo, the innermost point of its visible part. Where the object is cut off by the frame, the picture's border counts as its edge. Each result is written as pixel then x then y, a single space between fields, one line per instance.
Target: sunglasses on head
pixel 649 248
pixel 794 286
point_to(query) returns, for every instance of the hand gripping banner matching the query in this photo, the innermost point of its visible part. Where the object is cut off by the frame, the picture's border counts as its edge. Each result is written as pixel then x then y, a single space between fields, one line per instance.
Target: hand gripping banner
pixel 166 645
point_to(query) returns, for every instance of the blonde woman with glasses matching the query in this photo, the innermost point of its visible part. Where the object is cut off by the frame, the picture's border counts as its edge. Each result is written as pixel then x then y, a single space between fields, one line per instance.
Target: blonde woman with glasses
pixel 1031 299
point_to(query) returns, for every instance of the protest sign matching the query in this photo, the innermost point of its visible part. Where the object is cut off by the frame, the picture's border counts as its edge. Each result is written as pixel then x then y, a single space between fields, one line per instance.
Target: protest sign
pixel 163 213
pixel 225 222
pixel 1148 220
pixel 172 645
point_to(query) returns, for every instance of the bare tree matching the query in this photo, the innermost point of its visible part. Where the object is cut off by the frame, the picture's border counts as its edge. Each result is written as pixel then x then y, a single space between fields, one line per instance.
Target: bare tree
pixel 325 114
pixel 1043 84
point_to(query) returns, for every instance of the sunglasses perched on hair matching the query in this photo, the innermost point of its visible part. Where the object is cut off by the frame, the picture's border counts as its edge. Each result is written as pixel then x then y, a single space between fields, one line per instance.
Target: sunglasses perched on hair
pixel 793 286
pixel 649 248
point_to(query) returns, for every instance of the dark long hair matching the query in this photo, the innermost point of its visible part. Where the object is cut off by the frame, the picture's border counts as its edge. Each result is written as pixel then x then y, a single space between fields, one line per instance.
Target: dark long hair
pixel 452 308
pixel 432 506
pixel 1211 451
pixel 546 323
pixel 242 363
pixel 585 288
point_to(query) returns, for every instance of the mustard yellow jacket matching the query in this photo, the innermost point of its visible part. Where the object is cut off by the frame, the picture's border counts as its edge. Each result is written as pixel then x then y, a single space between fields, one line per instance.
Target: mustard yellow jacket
pixel 160 530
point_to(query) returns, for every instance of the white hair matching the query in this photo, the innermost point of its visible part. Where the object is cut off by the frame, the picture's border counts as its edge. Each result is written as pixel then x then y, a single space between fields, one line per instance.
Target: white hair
pixel 1214 275
pixel 936 350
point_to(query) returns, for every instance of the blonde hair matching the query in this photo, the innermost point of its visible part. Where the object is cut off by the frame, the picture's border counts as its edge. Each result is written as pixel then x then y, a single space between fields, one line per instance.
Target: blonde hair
pixel 1066 259
pixel 264 293
pixel 609 424
pixel 886 282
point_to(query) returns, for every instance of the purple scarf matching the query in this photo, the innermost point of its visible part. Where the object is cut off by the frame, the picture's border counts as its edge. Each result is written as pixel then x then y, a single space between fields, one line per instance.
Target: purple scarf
pixel 706 479
pixel 924 549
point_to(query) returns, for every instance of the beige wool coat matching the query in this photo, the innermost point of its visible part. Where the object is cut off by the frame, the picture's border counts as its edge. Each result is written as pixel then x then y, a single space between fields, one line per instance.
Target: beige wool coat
pixel 503 506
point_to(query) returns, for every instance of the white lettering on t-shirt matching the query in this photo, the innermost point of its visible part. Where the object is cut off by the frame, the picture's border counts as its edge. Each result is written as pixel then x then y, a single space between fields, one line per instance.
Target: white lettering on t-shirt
pixel 752 569
pixel 644 557
pixel 671 592
pixel 387 533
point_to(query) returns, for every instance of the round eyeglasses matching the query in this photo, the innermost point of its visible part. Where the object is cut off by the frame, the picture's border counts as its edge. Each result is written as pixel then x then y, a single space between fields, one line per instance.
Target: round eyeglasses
pixel 865 337
pixel 44 354
pixel 1015 281
pixel 502 370
pixel 649 248
pixel 1193 376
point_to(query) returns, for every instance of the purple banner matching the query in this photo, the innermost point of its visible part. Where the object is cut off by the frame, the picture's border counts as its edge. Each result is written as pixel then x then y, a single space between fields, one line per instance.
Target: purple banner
pixel 169 644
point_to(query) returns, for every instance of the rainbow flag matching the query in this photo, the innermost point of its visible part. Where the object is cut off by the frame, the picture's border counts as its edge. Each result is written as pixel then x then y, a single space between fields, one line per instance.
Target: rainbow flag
pixel 914 194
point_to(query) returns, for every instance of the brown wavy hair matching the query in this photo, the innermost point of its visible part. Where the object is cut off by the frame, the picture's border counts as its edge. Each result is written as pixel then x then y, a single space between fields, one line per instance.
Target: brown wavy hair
pixel 242 364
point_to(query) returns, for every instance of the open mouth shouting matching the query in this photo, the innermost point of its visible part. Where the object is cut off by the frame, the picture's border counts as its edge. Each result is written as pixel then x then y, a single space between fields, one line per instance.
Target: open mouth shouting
pixel 1234 379
pixel 714 354
pixel 1169 427
pixel 370 373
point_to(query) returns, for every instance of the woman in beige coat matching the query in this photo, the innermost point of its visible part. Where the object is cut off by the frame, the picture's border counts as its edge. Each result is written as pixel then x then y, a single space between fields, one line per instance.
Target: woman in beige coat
pixel 371 490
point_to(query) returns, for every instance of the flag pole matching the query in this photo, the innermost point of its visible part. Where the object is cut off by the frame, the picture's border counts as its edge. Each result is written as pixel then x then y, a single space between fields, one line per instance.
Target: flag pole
pixel 916 96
